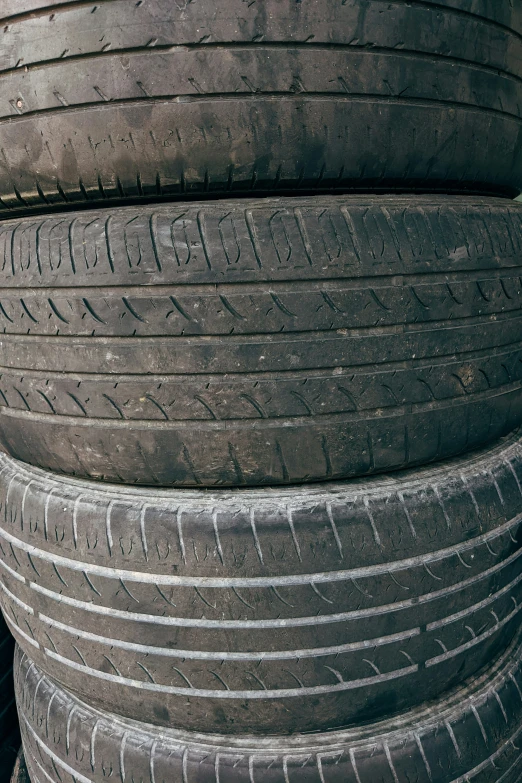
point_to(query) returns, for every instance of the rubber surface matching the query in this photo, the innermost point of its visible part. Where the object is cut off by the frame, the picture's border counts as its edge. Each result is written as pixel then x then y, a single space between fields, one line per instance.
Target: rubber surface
pixel 260 342
pixel 473 734
pixel 265 610
pixel 112 100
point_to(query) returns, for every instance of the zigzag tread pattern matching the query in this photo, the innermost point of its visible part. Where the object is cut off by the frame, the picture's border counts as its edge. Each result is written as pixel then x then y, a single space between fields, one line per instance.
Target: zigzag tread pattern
pixel 251 309
pixel 216 398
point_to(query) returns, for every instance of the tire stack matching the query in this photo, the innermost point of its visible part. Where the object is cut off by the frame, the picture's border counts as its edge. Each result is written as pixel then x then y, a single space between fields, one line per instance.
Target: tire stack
pixel 261 389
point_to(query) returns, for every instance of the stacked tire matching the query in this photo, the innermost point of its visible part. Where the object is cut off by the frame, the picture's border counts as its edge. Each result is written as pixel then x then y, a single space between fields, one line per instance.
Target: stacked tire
pixel 261 389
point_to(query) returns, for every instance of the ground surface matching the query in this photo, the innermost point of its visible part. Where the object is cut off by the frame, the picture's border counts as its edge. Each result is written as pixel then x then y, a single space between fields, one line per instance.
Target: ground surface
pixel 19 774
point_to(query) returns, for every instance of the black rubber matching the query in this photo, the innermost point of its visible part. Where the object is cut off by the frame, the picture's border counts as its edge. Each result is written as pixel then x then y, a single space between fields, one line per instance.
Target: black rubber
pixel 265 610
pixel 119 100
pixel 260 342
pixel 473 734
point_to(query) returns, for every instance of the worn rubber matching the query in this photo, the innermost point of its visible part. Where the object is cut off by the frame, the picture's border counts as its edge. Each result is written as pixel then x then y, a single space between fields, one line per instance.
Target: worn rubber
pixel 472 734
pixel 119 100
pixel 265 610
pixel 260 342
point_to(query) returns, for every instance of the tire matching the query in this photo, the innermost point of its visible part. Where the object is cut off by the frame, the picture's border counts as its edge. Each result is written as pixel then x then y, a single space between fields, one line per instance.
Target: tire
pixel 155 99
pixel 470 734
pixel 270 611
pixel 262 342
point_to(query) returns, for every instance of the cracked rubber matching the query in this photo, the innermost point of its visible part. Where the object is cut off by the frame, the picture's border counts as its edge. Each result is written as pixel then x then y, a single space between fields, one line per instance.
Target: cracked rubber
pixel 270 610
pixel 131 100
pixel 268 341
pixel 472 734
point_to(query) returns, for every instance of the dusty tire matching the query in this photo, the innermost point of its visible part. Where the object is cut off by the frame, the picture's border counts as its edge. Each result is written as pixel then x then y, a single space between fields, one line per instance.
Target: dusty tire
pixel 118 101
pixel 473 734
pixel 265 610
pixel 261 342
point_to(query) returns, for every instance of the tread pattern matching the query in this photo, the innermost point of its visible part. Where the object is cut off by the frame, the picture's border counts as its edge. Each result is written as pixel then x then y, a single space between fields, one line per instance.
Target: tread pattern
pixel 327 238
pixel 184 398
pixel 243 73
pixel 133 332
pixel 38 36
pixel 472 735
pixel 449 86
pixel 265 610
